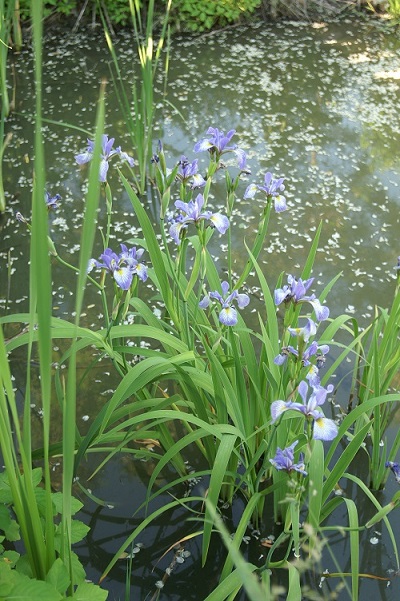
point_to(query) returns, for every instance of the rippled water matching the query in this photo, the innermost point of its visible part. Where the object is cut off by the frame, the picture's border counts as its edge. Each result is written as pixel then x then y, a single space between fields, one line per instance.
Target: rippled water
pixel 312 102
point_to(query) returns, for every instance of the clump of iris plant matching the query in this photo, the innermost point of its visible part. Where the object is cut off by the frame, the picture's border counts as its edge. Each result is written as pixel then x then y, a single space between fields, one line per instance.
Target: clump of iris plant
pixel 322 427
pixel 217 144
pixel 295 291
pixel 273 188
pixel 284 460
pixel 191 212
pixel 228 314
pixel 122 267
pixel 107 153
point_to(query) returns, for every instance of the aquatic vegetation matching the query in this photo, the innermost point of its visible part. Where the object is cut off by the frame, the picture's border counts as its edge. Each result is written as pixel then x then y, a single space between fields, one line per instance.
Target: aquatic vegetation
pixel 46 566
pixel 248 399
pixel 140 117
pixel 200 372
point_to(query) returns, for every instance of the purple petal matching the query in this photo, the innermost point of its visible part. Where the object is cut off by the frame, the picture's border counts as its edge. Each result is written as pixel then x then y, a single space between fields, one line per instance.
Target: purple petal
pixel 198 181
pixel 228 316
pixel 324 428
pixel 103 170
pixel 141 271
pixel 199 202
pixel 321 311
pixel 84 157
pixel 241 157
pixel 202 145
pixel 242 300
pixel 205 302
pixel 277 408
pixel 182 206
pixel 220 222
pixel 225 288
pixel 281 359
pixel 250 191
pixel 107 145
pixel 123 276
pixel 125 157
pixel 175 230
pixel 280 295
pixel 303 390
pixel 280 204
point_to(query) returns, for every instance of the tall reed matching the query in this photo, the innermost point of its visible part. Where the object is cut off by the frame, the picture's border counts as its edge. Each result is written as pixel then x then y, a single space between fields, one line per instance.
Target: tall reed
pixel 54 571
pixel 139 108
pixel 6 20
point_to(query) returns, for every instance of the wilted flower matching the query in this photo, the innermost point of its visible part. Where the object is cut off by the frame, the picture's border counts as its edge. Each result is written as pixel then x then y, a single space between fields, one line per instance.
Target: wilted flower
pixel 122 267
pixel 228 314
pixel 217 144
pixel 323 428
pixel 395 467
pixel 295 291
pixel 192 214
pixel 19 217
pixel 304 333
pixel 313 349
pixel 51 201
pixel 107 152
pixel 272 188
pixel 284 460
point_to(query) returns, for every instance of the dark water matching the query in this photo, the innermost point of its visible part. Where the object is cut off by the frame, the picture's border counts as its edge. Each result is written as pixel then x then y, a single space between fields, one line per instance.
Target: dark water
pixel 316 103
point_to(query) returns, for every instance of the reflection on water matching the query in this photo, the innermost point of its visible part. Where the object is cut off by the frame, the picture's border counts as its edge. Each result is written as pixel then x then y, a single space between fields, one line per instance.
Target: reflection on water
pixel 314 103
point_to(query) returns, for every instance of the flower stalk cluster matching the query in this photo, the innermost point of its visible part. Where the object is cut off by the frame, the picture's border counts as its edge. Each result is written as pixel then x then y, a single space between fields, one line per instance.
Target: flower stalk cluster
pixel 122 267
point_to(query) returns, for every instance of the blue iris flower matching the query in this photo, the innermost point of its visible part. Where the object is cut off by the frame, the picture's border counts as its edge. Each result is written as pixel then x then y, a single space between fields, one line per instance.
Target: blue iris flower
pixel 192 213
pixel 323 428
pixel 295 291
pixel 272 188
pixel 228 314
pixel 122 267
pixel 107 153
pixel 218 144
pixel 284 460
pixel 310 351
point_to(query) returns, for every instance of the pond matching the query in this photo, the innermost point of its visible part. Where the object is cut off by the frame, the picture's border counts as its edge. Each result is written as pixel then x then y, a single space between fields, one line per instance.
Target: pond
pixel 316 103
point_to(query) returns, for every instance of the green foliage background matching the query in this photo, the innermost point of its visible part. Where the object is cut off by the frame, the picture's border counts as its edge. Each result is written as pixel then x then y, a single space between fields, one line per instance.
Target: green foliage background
pixel 194 15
